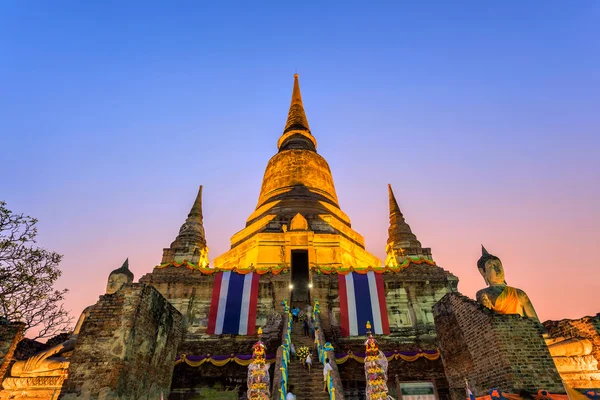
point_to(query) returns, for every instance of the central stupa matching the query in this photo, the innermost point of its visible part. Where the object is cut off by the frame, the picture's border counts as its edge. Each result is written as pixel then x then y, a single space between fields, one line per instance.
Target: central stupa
pixel 297 220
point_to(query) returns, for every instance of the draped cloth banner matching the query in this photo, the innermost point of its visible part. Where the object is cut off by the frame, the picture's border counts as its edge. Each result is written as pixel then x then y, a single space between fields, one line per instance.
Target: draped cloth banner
pixel 219 361
pixel 362 299
pixel 340 358
pixel 410 356
pixel 233 305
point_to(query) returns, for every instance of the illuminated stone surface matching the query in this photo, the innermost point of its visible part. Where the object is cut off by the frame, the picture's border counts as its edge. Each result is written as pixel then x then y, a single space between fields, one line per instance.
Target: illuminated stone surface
pixel 190 243
pixel 575 346
pixel 129 339
pixel 492 350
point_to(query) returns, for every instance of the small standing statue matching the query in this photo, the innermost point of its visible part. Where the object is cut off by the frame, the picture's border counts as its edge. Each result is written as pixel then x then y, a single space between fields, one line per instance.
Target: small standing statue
pixel 498 296
pixel 375 369
pixel 258 372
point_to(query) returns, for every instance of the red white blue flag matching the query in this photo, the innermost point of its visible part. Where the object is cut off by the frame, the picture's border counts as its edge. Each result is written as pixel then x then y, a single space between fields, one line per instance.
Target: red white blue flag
pixel 470 395
pixel 233 305
pixel 362 299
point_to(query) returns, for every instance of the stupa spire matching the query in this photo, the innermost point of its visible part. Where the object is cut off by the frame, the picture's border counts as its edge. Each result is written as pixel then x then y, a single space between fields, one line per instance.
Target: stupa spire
pixel 196 211
pixel 296 116
pixel 296 134
pixel 399 231
pixel 190 243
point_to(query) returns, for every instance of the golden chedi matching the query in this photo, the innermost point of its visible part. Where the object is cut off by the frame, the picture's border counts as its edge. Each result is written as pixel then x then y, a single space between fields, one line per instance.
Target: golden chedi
pixel 297 177
pixel 498 296
pixel 297 209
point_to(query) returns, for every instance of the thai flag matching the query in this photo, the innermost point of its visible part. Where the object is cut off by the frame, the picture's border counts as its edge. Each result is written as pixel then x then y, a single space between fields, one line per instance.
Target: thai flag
pixel 233 306
pixel 470 395
pixel 362 299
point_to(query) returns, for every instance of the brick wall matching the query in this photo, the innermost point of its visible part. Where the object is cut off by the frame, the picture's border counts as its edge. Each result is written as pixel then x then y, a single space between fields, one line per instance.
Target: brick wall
pixel 190 292
pixel 10 335
pixel 126 347
pixel 506 352
pixel 585 328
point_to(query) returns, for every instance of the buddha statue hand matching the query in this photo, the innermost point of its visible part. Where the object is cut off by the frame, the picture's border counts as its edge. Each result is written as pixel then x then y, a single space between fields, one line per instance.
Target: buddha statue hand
pixel 37 362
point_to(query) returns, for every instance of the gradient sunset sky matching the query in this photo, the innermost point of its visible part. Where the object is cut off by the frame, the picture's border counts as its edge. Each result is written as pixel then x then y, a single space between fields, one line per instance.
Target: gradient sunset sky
pixel 484 116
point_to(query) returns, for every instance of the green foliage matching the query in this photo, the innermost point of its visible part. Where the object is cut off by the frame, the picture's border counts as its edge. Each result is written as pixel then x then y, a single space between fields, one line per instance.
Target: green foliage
pixel 27 277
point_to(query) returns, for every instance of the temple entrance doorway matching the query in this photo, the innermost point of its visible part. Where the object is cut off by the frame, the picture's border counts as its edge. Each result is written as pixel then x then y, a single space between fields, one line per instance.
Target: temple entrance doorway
pixel 300 278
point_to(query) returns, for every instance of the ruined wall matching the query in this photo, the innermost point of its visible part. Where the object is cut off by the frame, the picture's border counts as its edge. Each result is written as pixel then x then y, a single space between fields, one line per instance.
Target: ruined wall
pixel 11 334
pixel 410 296
pixel 579 370
pixel 126 347
pixel 190 292
pixel 506 352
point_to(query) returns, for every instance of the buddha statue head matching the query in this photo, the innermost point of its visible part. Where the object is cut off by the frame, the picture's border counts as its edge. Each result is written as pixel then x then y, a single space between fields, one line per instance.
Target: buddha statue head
pixel 118 278
pixel 490 267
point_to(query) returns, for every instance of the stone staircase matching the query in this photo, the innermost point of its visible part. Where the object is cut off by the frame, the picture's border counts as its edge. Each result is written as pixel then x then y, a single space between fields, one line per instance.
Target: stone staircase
pixel 306 386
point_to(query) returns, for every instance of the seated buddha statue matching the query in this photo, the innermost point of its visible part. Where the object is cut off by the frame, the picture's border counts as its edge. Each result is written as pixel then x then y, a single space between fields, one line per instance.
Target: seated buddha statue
pixel 49 362
pixel 498 296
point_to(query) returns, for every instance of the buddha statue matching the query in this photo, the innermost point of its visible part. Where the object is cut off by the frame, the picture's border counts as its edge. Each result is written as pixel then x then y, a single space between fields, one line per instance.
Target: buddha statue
pixel 51 362
pixel 498 296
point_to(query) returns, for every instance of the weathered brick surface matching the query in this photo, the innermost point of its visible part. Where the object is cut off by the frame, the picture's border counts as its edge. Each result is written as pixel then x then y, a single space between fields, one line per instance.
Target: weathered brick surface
pixel 585 328
pixel 410 295
pixel 126 347
pixel 583 372
pixel 10 335
pixel 506 352
pixel 190 292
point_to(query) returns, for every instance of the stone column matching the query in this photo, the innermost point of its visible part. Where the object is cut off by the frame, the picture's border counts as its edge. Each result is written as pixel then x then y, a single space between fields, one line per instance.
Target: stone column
pixel 126 348
pixel 492 350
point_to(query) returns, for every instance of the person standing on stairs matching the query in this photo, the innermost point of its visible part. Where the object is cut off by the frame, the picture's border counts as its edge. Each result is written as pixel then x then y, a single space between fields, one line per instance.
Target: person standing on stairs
pixel 309 361
pixel 326 370
pixel 290 395
pixel 305 326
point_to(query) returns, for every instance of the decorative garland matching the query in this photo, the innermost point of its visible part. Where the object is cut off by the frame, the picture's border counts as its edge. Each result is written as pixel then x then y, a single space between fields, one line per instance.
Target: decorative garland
pixel 340 358
pixel 276 270
pixel 285 355
pixel 220 361
pixel 410 356
pixel 322 350
pixel 240 270
pixel 496 394
pixel 321 269
pixel 258 372
pixel 375 369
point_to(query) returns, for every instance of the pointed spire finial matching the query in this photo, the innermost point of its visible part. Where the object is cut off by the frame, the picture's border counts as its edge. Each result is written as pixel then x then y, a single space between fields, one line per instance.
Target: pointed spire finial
pixel 399 231
pixel 296 116
pixel 125 264
pixel 484 252
pixel 196 210
pixel 296 127
pixel 394 207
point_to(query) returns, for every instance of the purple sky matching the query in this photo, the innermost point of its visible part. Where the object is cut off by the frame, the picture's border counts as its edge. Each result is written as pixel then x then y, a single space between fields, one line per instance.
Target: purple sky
pixel 484 117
